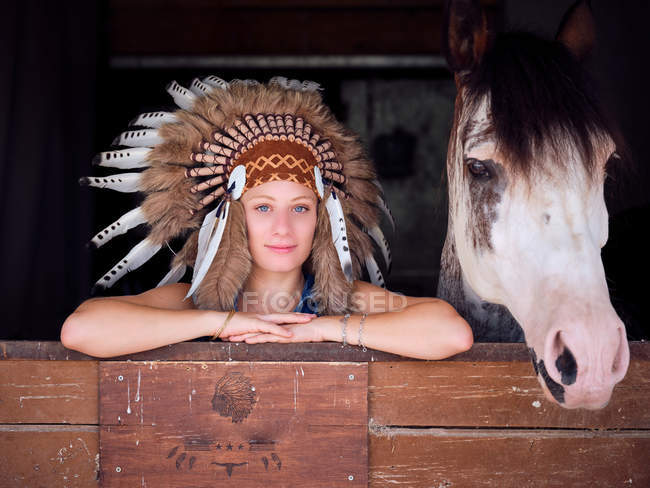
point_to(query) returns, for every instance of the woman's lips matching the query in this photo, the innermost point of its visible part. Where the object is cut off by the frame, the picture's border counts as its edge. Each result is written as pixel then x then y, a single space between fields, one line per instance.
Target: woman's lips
pixel 281 249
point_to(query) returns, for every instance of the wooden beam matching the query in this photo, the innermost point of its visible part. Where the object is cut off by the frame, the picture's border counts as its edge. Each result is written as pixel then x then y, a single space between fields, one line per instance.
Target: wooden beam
pixel 324 351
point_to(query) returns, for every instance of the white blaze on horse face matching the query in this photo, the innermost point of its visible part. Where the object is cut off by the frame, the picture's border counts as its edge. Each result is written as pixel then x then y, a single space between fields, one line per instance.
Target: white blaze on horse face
pixel 539 255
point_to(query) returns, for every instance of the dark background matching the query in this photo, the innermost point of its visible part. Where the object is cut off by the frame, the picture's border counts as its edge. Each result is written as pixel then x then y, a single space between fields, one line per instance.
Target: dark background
pixel 74 73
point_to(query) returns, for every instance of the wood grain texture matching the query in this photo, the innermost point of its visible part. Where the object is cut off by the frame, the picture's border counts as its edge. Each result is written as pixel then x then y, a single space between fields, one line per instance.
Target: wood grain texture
pixel 37 456
pixel 302 423
pixel 489 458
pixel 493 394
pixel 52 392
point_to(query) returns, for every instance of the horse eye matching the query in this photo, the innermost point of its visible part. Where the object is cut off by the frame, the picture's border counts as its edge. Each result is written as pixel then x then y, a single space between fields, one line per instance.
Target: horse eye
pixel 478 168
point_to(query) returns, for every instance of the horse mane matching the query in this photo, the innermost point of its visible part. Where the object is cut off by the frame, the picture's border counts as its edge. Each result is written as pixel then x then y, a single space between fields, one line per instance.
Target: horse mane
pixel 540 99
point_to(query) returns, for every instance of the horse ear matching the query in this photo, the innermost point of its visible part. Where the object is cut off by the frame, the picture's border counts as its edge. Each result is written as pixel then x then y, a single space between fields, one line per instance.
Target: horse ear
pixel 578 29
pixel 464 34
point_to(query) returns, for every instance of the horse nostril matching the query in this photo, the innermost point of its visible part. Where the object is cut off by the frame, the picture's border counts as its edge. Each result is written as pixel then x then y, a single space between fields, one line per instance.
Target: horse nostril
pixel 567 366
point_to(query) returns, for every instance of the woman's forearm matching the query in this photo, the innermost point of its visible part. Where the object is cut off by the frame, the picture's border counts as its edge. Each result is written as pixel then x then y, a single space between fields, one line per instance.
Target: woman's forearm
pixel 110 327
pixel 430 330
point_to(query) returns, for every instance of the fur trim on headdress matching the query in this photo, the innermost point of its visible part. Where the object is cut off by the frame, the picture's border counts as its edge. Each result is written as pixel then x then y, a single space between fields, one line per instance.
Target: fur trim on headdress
pixel 210 112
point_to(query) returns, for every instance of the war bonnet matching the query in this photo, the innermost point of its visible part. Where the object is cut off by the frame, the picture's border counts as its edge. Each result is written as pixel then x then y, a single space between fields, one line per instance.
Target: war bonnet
pixel 225 139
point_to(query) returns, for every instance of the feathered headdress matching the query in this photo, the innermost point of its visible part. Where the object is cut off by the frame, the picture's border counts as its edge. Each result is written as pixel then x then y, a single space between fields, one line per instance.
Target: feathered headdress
pixel 225 139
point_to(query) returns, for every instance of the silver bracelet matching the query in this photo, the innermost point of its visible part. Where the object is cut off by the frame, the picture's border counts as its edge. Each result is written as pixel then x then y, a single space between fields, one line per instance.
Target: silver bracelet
pixel 344 333
pixel 363 319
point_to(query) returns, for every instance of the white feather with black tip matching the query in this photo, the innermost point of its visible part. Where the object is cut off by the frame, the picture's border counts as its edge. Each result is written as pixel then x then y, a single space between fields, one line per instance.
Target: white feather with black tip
pixel 138 138
pixel 236 183
pixel 213 246
pixel 174 275
pixel 182 96
pixel 127 221
pixel 378 236
pixel 135 157
pixel 376 278
pixel 199 88
pixel 205 233
pixel 154 119
pixel 339 234
pixel 123 182
pixel 139 255
pixel 216 82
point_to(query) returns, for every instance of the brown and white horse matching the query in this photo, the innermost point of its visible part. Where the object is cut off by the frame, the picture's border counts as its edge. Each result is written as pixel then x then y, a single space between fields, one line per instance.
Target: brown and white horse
pixel 527 217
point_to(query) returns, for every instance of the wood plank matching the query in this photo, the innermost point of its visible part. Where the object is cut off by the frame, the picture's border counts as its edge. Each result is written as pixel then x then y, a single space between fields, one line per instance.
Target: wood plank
pixel 493 394
pixel 49 392
pixel 445 458
pixel 48 456
pixel 323 351
pixel 194 423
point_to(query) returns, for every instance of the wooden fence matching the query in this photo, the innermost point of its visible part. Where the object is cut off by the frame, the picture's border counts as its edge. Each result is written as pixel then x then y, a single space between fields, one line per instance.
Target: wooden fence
pixel 215 414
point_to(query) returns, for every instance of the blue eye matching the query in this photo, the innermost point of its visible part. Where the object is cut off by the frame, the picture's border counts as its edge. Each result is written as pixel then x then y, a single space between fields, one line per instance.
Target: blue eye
pixel 301 209
pixel 263 208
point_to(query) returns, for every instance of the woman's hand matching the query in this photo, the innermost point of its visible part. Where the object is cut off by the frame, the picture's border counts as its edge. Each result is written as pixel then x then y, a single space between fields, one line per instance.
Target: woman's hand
pixel 246 324
pixel 310 331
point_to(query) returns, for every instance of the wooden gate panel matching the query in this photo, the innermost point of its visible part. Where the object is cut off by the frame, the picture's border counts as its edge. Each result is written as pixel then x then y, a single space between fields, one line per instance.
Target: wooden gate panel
pixel 489 458
pixel 48 392
pixel 34 456
pixel 201 423
pixel 493 394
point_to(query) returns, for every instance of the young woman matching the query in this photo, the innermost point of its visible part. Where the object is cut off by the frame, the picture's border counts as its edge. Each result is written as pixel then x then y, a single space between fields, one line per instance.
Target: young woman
pixel 277 266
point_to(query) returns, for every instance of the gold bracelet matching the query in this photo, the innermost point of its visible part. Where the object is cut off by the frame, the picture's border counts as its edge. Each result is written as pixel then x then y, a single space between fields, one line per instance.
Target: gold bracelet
pixel 220 330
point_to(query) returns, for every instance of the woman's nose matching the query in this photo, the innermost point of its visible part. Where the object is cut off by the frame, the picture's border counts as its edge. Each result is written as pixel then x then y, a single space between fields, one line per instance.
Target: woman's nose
pixel 281 224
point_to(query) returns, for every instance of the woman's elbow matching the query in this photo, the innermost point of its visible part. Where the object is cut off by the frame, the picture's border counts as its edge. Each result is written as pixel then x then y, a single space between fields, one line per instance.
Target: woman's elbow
pixel 459 334
pixel 70 332
pixel 74 333
pixel 463 338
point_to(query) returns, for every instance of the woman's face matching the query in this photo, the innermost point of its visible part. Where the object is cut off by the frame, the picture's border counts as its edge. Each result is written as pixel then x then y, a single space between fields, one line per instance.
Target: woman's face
pixel 281 221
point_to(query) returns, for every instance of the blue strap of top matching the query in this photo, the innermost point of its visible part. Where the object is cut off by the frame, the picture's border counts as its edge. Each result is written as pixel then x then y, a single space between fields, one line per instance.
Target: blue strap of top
pixel 306 304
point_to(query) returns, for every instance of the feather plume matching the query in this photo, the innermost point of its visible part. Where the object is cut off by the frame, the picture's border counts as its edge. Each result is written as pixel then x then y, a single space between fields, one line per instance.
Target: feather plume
pixel 339 234
pixel 230 267
pixel 154 119
pixel 199 88
pixel 382 205
pixel 216 82
pixel 123 182
pixel 181 95
pixel 138 138
pixel 373 272
pixel 140 254
pixel 174 275
pixel 136 157
pixel 213 247
pixel 378 236
pixel 127 221
pixel 205 234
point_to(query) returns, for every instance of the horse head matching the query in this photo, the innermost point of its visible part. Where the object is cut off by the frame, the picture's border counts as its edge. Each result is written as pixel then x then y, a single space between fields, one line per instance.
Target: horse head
pixel 527 217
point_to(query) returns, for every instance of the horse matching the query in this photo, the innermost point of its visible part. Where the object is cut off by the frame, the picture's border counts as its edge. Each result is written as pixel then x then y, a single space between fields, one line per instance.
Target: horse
pixel 526 165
